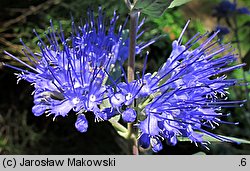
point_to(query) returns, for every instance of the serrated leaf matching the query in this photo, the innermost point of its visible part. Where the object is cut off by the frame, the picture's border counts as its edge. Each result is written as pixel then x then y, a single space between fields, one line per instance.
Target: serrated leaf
pixel 177 3
pixel 153 8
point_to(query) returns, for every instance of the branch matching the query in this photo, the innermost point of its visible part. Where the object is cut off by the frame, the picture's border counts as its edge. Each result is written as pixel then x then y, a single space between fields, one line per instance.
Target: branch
pixel 31 11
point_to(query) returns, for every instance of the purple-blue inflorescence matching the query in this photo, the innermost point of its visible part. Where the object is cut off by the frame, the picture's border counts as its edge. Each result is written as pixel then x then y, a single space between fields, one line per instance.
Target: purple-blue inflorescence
pixel 189 92
pixel 183 98
pixel 71 73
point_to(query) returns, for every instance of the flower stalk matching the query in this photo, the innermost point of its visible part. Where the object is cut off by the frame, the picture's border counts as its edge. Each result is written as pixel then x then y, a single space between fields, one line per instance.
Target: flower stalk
pixel 134 15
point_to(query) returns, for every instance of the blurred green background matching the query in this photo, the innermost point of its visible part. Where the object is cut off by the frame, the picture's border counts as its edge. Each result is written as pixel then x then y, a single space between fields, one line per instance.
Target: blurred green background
pixel 23 133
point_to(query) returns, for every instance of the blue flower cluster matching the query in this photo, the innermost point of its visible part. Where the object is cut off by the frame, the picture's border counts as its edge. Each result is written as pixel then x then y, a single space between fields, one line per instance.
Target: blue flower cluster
pixel 71 73
pixel 227 9
pixel 183 98
pixel 189 92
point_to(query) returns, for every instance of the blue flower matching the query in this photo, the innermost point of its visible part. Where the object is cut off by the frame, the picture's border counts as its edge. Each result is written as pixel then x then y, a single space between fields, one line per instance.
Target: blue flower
pixel 129 115
pixel 81 123
pixel 71 73
pixel 222 30
pixel 243 10
pixel 124 93
pixel 227 9
pixel 189 91
pixel 149 83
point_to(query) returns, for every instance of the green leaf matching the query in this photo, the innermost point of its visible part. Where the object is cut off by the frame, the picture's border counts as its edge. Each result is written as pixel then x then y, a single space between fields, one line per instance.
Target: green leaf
pixel 121 130
pixel 212 139
pixel 3 142
pixel 153 8
pixel 245 60
pixel 237 139
pixel 177 3
pixel 115 118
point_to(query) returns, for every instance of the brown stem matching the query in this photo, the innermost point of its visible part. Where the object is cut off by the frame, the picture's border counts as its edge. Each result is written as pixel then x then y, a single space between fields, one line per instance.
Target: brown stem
pixel 134 15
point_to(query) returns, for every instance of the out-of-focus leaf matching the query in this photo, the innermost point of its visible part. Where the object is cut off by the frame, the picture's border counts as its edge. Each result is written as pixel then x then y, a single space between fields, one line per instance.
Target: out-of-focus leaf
pixel 153 8
pixel 228 22
pixel 3 142
pixel 177 3
pixel 246 60
pixel 246 24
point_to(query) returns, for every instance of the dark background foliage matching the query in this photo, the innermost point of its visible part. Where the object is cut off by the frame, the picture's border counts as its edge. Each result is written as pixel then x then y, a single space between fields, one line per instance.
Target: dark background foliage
pixel 23 133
